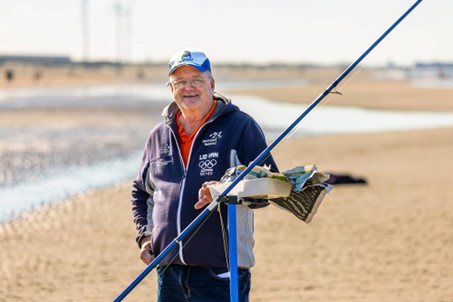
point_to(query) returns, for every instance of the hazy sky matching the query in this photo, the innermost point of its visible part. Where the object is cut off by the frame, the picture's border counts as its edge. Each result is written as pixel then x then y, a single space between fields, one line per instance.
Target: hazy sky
pixel 255 31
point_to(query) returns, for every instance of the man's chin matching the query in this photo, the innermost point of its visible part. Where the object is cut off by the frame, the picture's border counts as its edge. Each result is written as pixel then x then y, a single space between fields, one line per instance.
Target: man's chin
pixel 191 101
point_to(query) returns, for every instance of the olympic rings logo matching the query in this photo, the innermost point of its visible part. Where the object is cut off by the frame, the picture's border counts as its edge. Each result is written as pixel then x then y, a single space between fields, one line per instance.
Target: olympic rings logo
pixel 207 164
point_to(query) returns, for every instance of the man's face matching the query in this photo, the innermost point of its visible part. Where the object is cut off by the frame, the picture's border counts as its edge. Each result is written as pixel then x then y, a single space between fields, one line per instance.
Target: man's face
pixel 192 90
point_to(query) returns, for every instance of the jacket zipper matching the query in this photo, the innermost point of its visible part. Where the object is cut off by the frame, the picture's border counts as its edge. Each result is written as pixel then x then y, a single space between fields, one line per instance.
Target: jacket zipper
pixel 183 184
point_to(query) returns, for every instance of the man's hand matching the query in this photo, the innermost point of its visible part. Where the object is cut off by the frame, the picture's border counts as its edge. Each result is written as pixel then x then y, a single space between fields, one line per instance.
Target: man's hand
pixel 146 252
pixel 204 195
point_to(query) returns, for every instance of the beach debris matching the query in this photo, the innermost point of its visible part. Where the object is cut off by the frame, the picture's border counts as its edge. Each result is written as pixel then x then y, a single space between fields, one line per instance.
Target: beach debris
pixel 9 75
pixel 345 179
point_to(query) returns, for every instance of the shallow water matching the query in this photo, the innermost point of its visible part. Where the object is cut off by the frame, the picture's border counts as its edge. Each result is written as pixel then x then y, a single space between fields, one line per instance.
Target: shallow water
pixel 63 182
pixel 77 159
pixel 275 117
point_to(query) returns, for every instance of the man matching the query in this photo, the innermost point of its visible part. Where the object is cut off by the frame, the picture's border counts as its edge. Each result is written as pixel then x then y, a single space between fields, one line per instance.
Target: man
pixel 203 134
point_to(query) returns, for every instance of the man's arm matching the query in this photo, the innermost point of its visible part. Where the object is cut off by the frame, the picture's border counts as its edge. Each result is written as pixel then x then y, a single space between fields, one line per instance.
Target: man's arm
pixel 142 200
pixel 142 209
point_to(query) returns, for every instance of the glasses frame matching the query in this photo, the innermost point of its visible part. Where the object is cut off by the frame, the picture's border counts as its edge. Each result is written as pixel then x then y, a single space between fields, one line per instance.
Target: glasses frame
pixel 194 82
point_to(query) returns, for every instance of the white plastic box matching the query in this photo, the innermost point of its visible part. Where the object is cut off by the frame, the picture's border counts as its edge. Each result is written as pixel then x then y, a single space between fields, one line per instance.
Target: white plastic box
pixel 255 188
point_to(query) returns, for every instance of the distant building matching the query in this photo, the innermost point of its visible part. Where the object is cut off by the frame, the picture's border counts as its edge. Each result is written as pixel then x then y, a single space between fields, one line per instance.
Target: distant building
pixel 45 60
pixel 433 70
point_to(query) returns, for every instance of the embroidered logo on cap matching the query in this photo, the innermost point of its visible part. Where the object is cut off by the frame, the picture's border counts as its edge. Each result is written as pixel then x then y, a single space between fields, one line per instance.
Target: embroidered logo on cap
pixel 186 56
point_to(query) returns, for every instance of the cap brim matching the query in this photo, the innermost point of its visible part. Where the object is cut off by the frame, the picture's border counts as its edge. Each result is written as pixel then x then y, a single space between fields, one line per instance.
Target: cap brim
pixel 196 66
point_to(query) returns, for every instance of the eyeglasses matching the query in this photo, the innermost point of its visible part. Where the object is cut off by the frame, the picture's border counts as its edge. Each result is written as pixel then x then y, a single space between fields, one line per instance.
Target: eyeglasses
pixel 196 83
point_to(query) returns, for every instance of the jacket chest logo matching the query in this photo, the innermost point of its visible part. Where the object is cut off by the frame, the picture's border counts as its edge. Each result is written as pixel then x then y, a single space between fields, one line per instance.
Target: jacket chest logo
pixel 207 162
pixel 165 149
pixel 212 139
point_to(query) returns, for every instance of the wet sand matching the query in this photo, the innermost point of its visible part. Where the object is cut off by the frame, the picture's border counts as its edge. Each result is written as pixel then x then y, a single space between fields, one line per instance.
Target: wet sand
pixel 390 240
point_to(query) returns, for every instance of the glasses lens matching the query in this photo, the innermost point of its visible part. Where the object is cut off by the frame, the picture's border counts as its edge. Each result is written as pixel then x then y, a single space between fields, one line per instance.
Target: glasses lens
pixel 197 82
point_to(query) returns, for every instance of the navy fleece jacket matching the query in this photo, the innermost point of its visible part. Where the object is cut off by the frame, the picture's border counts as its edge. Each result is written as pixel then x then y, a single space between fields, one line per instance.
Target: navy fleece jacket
pixel 165 191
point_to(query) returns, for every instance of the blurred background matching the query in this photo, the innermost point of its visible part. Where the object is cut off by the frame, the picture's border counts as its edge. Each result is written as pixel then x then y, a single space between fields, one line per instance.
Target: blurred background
pixel 82 82
pixel 69 67
pixel 137 31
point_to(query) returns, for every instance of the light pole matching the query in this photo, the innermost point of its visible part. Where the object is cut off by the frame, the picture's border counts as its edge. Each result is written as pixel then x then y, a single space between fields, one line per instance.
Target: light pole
pixel 85 31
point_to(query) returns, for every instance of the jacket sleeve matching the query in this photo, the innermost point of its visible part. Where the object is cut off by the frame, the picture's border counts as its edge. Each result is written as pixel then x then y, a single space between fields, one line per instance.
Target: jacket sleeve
pixel 142 199
pixel 253 143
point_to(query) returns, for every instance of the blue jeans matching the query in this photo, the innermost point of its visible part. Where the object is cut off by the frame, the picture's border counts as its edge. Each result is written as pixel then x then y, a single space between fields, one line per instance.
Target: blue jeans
pixel 180 283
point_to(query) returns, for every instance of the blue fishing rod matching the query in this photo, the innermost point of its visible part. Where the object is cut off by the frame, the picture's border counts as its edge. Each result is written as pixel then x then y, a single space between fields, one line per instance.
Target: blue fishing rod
pixel 259 159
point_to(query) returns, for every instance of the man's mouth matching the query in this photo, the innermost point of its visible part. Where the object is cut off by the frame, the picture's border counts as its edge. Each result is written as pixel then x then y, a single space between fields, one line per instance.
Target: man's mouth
pixel 190 96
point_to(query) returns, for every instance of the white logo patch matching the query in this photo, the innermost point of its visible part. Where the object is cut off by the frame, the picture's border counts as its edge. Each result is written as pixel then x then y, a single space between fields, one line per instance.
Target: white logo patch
pixel 207 162
pixel 212 140
pixel 165 149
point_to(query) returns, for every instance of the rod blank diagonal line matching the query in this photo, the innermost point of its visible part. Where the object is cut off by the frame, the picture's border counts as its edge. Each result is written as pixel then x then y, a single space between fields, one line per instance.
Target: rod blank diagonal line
pixel 193 225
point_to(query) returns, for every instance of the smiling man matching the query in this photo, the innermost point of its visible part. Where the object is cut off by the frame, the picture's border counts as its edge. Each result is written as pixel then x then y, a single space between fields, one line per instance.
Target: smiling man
pixel 202 135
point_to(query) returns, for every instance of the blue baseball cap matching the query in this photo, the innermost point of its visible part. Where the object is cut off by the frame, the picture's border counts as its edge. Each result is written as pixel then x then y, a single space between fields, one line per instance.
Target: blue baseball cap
pixel 189 57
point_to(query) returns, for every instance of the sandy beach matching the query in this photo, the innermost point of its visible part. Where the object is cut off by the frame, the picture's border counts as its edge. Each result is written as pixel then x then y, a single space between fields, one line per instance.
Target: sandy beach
pixel 389 240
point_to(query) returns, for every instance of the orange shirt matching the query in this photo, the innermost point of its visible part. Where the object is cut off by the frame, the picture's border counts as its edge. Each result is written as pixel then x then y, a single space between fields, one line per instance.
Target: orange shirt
pixel 185 140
